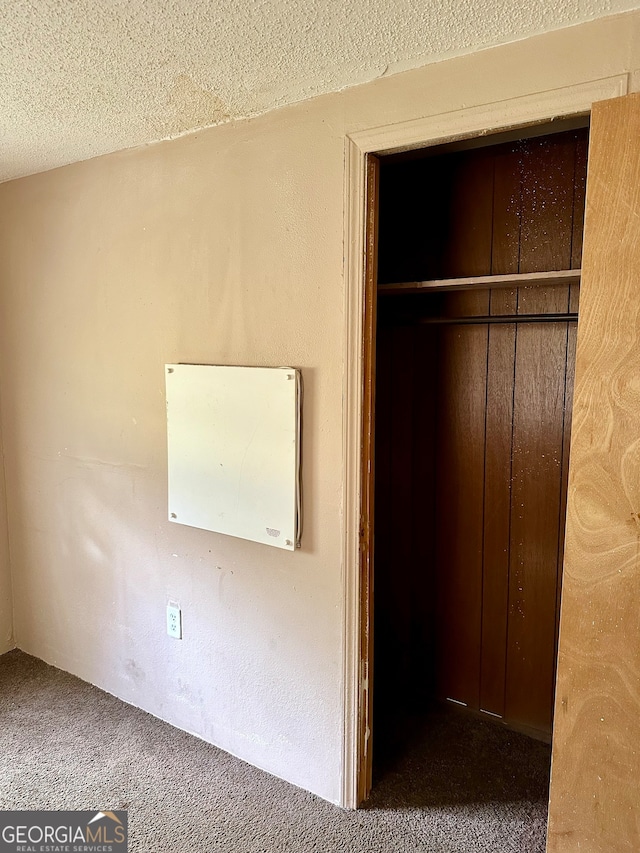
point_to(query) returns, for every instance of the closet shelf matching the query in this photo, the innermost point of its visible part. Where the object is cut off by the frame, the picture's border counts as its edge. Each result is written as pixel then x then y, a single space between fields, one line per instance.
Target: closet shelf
pixel 477 282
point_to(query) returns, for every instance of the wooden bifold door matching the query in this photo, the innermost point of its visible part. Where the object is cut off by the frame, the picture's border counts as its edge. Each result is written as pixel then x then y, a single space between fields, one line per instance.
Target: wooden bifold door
pixel 473 415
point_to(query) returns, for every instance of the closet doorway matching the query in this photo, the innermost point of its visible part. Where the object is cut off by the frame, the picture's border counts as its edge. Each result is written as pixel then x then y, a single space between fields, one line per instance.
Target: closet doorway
pixel 479 249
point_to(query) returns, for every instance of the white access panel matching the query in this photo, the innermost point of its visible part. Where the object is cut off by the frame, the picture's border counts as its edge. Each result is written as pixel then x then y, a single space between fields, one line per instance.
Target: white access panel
pixel 234 450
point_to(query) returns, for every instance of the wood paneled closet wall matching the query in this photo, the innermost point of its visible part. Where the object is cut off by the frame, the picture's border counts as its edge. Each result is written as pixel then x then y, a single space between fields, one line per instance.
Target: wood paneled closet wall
pixel 473 415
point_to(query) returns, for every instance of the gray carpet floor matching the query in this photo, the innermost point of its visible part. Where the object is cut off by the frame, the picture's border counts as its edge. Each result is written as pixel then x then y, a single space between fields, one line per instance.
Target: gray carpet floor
pixel 463 786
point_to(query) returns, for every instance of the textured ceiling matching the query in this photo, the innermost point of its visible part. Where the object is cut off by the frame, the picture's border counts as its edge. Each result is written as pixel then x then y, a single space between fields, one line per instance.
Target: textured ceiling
pixel 85 77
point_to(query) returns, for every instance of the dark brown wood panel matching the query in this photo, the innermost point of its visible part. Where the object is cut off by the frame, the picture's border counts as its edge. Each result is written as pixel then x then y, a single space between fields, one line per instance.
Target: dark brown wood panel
pixel 472 434
pixel 459 512
pixel 505 248
pixel 405 454
pixel 579 195
pixel 497 516
pixel 517 206
pixel 572 330
pixel 467 250
pixel 423 639
pixel 394 401
pixel 543 300
pixel 504 301
pixel 401 540
pixel 383 530
pixel 465 303
pixel 548 166
pixel 471 409
pixel 507 194
pixel 536 484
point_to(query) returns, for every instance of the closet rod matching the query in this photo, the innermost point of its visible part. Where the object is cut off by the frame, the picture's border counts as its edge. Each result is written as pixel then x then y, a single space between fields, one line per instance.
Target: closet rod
pixel 499 318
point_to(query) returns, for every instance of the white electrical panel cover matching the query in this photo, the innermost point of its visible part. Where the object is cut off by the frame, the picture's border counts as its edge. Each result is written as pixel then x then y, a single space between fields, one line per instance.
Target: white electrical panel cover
pixel 233 436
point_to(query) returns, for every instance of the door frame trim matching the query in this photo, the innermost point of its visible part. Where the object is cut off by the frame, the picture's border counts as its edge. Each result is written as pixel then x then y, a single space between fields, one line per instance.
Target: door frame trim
pixel 357 548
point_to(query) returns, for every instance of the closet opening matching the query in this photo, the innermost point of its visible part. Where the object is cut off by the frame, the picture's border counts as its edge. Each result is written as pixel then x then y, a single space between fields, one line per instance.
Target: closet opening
pixel 479 248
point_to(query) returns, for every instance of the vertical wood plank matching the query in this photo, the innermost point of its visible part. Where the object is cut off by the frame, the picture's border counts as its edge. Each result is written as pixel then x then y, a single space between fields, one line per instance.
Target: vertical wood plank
pixel 572 329
pixel 459 515
pixel 424 506
pixel 497 516
pixel 468 246
pixel 547 203
pixel 579 196
pixel 505 250
pixel 400 600
pixel 547 217
pixel 595 787
pixel 465 303
pixel 549 299
pixel 536 472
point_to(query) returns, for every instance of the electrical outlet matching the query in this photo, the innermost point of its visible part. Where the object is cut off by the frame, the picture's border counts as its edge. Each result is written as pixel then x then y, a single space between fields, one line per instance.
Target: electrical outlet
pixel 174 620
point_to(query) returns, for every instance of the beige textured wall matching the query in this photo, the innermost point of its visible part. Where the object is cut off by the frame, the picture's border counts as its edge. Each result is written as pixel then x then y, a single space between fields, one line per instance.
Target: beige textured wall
pixel 6 598
pixel 222 247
